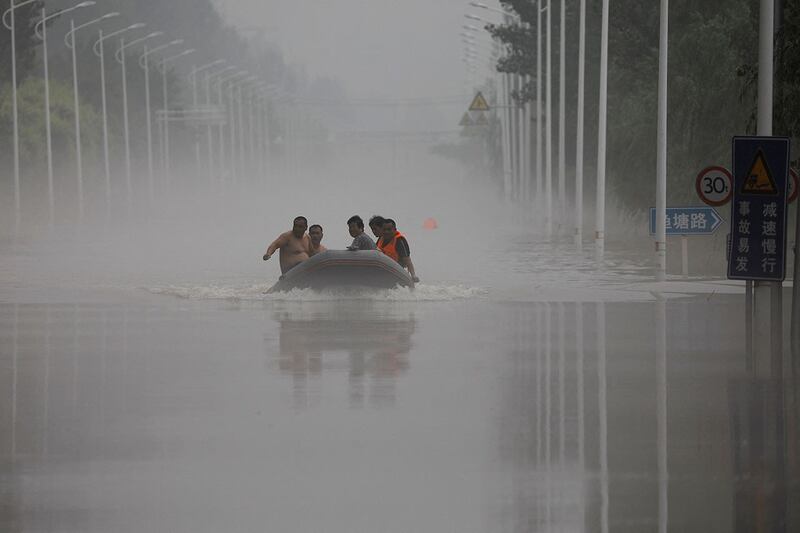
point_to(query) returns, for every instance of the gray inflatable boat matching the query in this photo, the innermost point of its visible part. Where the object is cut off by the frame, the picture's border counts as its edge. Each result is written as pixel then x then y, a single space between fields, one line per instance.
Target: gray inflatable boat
pixel 344 268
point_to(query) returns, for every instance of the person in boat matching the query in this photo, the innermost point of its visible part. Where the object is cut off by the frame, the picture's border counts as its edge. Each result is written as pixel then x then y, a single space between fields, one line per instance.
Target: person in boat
pixel 355 225
pixel 376 225
pixel 315 238
pixel 294 245
pixel 395 245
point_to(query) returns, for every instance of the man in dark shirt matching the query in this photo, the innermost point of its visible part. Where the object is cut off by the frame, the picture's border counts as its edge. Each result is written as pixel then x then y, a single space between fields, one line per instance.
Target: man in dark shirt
pixel 361 241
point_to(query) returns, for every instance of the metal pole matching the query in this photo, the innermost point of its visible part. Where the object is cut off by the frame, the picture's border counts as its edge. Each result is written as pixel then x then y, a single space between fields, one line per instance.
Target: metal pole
pixel 126 125
pixel 78 160
pixel 221 134
pixel 600 208
pixel 106 162
pixel 251 127
pixel 47 125
pixel 580 134
pixel 521 148
pixel 239 104
pixel 768 317
pixel 196 139
pixel 151 176
pixel 661 171
pixel 528 116
pixel 549 126
pixel 209 134
pixel 15 113
pixel 539 165
pixel 562 171
pixel 165 122
pixel 232 132
pixel 506 138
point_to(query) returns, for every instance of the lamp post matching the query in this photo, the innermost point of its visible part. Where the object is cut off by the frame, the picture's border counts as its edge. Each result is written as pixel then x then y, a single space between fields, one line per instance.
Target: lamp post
pixel 220 83
pixel 10 24
pixel 580 126
pixel 144 63
pixel 120 57
pixel 41 32
pixel 210 137
pixel 600 208
pixel 237 134
pixel 661 171
pixel 195 71
pixel 164 62
pixel 99 51
pixel 69 41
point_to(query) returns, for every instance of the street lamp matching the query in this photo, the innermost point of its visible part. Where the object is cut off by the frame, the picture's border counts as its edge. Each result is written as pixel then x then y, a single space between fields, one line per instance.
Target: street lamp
pixel 237 133
pixel 120 57
pixel 195 71
pixel 210 137
pixel 220 83
pixel 164 62
pixel 144 64
pixel 9 23
pixel 69 41
pixel 99 51
pixel 41 32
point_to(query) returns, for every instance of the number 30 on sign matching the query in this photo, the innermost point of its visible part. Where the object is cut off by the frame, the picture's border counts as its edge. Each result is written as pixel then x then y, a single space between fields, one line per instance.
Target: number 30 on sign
pixel 713 186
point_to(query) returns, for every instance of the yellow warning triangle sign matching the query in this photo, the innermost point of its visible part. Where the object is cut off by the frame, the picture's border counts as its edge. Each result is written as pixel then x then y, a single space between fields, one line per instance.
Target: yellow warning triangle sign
pixel 479 103
pixel 481 120
pixel 759 180
pixel 466 120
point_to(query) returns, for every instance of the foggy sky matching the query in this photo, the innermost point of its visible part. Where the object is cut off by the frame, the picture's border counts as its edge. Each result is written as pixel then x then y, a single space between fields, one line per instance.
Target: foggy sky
pixel 376 48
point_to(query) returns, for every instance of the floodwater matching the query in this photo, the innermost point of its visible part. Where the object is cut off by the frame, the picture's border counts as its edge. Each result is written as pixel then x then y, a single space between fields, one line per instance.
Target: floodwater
pixel 148 385
pixel 151 412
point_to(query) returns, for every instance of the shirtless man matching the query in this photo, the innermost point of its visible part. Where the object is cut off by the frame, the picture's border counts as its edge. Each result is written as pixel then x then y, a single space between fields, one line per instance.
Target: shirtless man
pixel 315 234
pixel 294 245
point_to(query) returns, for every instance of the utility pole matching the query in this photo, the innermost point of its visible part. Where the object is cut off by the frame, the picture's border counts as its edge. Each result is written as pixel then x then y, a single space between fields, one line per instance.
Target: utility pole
pixel 579 141
pixel 767 298
pixel 661 171
pixel 600 207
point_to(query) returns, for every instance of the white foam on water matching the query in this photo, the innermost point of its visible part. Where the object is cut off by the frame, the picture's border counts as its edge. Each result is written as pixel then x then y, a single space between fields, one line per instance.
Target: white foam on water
pixel 257 292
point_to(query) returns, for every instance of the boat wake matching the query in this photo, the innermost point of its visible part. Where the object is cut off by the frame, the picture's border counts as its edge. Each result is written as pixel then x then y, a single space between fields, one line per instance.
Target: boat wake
pixel 257 292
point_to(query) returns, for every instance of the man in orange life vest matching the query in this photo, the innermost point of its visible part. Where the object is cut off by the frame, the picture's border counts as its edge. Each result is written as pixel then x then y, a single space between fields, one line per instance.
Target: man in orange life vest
pixel 394 244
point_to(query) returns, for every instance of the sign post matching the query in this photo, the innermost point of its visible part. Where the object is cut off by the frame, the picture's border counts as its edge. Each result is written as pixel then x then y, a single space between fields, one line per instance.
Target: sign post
pixel 687 221
pixel 758 239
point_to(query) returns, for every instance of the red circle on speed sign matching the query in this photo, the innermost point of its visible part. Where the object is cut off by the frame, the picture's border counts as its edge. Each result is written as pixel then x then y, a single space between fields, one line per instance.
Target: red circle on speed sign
pixel 794 185
pixel 713 186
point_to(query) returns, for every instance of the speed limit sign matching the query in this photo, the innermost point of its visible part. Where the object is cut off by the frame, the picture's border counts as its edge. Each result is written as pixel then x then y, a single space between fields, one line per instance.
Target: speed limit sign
pixel 794 185
pixel 714 186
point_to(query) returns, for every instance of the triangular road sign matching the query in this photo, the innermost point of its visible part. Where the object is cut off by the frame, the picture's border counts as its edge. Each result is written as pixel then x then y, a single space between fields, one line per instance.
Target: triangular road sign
pixel 481 120
pixel 479 103
pixel 759 180
pixel 466 120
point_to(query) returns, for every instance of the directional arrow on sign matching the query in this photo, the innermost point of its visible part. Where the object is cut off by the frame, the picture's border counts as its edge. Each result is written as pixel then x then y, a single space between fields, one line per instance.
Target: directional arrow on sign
pixel 693 220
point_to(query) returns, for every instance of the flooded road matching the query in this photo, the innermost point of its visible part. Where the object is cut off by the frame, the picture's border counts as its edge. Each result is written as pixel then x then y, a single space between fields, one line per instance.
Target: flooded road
pixel 156 413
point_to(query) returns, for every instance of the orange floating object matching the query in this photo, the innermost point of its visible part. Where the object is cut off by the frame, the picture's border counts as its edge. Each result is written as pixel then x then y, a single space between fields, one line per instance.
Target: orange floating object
pixel 430 223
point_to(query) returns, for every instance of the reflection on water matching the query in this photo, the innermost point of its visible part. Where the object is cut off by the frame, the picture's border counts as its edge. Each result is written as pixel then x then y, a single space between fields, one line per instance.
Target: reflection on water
pixel 607 418
pixel 626 425
pixel 359 339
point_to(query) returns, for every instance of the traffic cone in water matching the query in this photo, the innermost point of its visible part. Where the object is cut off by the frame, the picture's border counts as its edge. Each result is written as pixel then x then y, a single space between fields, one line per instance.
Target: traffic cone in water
pixel 430 223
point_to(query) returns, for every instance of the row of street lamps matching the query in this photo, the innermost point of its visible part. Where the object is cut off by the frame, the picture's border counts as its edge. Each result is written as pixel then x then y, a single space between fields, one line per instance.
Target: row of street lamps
pixel 257 91
pixel 520 169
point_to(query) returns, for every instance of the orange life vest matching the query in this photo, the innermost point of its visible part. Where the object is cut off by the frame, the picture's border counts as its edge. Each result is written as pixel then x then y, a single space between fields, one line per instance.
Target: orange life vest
pixel 390 248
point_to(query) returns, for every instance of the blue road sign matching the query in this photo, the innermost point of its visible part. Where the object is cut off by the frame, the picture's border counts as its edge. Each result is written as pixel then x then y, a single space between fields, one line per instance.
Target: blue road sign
pixel 758 210
pixel 695 220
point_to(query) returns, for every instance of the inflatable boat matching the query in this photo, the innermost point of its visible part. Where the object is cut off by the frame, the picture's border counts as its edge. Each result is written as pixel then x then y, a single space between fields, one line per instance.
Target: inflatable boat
pixel 344 268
